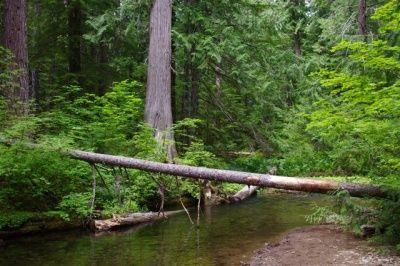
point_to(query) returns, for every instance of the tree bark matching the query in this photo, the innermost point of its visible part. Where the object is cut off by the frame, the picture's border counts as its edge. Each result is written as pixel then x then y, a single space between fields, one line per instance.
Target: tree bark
pixel 297 43
pixel 35 86
pixel 74 36
pixel 296 14
pixel 158 111
pixel 128 219
pixel 103 60
pixel 15 39
pixel 244 193
pixel 190 99
pixel 262 180
pixel 362 17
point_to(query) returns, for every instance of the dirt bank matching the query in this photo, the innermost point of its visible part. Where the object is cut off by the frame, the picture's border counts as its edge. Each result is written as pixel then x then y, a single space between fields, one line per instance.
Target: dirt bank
pixel 320 245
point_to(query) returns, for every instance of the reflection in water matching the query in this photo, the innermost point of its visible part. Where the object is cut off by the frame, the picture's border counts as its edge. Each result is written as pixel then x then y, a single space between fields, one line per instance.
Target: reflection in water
pixel 227 235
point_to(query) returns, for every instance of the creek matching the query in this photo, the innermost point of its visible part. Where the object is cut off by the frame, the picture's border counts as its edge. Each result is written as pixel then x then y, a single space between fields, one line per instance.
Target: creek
pixel 228 234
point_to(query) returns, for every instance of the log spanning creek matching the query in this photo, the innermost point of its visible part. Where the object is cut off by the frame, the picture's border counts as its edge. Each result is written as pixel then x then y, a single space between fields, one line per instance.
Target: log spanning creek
pixel 228 235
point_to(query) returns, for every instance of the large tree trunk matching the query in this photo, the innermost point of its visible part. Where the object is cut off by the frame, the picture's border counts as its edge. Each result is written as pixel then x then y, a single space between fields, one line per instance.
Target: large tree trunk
pixel 296 14
pixel 190 101
pixel 103 60
pixel 74 36
pixel 158 113
pixel 15 39
pixel 262 180
pixel 297 43
pixel 362 17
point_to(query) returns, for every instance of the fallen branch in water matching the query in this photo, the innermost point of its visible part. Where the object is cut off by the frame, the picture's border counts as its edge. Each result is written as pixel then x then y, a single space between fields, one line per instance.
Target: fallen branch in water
pixel 129 219
pixel 244 193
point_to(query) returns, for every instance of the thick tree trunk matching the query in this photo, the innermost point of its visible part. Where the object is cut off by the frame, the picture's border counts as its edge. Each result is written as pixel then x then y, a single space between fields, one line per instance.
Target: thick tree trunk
pixel 190 99
pixel 362 17
pixel 262 180
pixel 35 86
pixel 296 14
pixel 158 113
pixel 74 36
pixel 128 220
pixel 297 43
pixel 103 60
pixel 15 39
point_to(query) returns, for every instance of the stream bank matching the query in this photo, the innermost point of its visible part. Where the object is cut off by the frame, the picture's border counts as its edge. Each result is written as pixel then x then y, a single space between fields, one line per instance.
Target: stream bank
pixel 320 245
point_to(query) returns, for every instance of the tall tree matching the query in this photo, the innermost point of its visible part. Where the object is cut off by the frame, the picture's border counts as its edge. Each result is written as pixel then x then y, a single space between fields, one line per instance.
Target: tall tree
pixel 190 101
pixel 15 39
pixel 362 17
pixel 297 15
pixel 158 111
pixel 75 34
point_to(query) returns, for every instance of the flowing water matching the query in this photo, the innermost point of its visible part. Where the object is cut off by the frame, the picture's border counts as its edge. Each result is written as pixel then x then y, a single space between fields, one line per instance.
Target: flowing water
pixel 227 235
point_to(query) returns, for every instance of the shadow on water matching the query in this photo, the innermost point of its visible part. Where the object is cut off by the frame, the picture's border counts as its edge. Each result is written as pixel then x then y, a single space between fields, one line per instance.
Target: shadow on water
pixel 227 235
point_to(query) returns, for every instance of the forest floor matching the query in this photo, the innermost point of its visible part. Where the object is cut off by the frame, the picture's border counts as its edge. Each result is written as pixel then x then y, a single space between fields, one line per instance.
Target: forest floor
pixel 320 245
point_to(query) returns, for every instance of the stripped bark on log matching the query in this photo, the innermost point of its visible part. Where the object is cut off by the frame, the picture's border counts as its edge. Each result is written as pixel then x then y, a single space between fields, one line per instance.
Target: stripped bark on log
pixel 262 180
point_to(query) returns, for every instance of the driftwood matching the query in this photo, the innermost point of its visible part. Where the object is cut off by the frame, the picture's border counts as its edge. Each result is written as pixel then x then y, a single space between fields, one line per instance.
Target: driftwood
pixel 244 193
pixel 248 191
pixel 261 180
pixel 129 219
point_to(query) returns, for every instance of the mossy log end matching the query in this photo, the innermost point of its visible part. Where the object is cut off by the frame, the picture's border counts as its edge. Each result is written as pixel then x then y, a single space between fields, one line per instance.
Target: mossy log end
pixel 252 179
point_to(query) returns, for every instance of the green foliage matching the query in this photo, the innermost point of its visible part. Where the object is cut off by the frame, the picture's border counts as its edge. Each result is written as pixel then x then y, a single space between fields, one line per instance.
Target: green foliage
pixel 75 204
pixel 7 72
pixel 256 163
pixel 231 188
pixel 197 155
pixel 240 50
pixel 39 179
pixel 388 222
pixel 14 220
pixel 102 123
pixel 36 179
pixel 352 127
pixel 389 16
pixel 352 213
pixel 145 146
pixel 113 207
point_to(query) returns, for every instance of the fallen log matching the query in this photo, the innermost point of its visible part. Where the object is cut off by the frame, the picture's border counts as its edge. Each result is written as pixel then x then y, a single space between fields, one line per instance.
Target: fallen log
pixel 40 227
pixel 261 180
pixel 128 219
pixel 248 191
pixel 244 193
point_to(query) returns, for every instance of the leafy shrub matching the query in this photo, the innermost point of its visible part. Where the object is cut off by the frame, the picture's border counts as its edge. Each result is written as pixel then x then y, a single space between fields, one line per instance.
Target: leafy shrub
pixel 14 220
pixel 256 163
pixel 76 205
pixel 351 128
